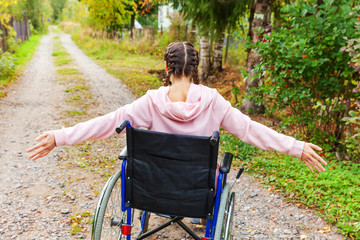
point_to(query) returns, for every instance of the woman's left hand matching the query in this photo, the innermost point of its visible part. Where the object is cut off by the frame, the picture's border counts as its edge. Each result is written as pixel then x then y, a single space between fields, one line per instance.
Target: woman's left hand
pixel 311 158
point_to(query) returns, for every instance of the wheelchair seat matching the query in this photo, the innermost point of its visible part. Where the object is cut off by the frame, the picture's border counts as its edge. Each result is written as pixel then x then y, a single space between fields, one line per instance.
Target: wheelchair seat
pixel 170 174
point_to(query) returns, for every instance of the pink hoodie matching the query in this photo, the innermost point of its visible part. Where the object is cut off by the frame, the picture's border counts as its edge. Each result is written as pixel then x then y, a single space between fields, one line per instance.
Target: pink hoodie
pixel 204 111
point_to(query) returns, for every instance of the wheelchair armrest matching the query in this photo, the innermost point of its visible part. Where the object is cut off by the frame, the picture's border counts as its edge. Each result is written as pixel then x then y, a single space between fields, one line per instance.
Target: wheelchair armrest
pixel 226 163
pixel 123 153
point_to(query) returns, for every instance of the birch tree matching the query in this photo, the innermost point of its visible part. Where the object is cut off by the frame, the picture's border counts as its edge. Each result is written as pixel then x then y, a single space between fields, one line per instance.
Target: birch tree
pixel 260 18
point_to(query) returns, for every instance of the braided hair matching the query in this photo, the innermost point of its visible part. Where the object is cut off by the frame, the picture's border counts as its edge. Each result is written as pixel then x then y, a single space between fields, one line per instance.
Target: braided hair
pixel 182 60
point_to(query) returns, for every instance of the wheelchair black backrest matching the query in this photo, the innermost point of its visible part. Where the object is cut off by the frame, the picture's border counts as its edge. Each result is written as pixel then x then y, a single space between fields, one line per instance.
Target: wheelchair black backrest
pixel 170 174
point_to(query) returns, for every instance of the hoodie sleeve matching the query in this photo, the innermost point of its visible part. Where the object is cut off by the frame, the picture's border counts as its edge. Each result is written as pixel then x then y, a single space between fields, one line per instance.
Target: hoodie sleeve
pixel 138 113
pixel 254 133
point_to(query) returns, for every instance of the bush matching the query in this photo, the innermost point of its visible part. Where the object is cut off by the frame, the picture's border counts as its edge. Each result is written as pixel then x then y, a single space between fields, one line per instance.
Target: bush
pixel 7 66
pixel 305 72
pixel 352 139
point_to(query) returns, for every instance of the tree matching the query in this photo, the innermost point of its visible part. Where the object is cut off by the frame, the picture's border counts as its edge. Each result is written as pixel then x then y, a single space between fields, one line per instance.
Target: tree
pixel 260 18
pixel 5 6
pixel 57 6
pixel 212 18
pixel 109 14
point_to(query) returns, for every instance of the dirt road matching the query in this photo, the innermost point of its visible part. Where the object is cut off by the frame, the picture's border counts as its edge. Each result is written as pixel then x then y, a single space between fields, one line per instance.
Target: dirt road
pixel 44 199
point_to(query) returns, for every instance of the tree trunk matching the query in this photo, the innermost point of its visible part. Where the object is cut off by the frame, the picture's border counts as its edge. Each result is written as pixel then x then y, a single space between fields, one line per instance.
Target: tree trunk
pixel 204 59
pixel 217 55
pixel 132 27
pixel 260 16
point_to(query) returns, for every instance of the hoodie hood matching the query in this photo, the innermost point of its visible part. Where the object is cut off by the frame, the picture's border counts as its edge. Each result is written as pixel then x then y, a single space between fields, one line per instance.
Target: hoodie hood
pixel 195 103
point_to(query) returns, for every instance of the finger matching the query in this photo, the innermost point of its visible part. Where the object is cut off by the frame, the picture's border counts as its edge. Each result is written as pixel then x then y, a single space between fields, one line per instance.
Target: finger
pixel 316 147
pixel 39 156
pixel 309 166
pixel 317 156
pixel 35 153
pixel 42 136
pixel 39 145
pixel 317 168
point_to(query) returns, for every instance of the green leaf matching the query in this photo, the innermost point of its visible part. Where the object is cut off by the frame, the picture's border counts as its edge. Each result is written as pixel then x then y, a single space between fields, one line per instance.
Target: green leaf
pixel 352 113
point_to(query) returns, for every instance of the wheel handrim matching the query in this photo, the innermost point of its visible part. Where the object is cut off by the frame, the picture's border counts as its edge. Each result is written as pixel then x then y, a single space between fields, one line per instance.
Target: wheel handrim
pixel 113 214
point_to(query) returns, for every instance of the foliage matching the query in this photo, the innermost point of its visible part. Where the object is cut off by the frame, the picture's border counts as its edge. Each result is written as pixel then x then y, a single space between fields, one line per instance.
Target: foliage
pixel 352 140
pixel 105 13
pixel 10 64
pixel 304 69
pixel 5 6
pixel 12 43
pixel 212 17
pixel 33 9
pixel 57 6
pixel 7 66
pixel 74 11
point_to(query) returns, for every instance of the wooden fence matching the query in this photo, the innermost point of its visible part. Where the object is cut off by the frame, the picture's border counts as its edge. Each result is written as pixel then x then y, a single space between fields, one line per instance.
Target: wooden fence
pixel 22 29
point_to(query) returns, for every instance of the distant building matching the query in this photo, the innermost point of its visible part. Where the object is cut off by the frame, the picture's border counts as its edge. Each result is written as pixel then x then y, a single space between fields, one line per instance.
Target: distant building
pixel 164 12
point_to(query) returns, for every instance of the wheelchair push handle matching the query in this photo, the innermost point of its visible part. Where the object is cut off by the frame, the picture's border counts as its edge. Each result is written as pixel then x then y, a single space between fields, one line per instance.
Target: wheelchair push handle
pixel 226 163
pixel 214 138
pixel 125 124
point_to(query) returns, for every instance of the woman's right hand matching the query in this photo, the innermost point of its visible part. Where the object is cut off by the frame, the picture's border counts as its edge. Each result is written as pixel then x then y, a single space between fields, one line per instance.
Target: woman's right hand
pixel 44 147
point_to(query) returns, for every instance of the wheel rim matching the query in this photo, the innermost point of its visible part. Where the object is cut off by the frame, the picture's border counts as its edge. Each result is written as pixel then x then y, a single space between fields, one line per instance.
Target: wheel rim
pixel 114 217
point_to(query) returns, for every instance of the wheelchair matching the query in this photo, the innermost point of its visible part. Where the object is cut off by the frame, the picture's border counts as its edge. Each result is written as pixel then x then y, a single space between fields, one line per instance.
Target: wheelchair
pixel 171 175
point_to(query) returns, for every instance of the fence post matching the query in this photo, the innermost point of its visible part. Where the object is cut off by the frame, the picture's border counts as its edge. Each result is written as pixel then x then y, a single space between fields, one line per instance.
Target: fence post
pixel 24 27
pixel 3 38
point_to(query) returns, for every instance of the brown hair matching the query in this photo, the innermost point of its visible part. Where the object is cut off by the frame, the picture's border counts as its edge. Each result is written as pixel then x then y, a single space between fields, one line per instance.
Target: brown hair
pixel 181 59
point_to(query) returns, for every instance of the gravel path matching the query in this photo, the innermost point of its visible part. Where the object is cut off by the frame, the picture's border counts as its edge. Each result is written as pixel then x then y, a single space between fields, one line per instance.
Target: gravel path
pixel 38 197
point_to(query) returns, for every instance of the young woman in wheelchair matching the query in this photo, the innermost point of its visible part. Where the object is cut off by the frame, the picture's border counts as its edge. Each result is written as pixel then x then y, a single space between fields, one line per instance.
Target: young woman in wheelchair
pixel 182 106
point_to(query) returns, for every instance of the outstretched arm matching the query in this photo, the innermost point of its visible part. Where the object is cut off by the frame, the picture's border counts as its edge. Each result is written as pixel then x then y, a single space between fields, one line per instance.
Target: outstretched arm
pixel 97 128
pixel 265 138
pixel 44 147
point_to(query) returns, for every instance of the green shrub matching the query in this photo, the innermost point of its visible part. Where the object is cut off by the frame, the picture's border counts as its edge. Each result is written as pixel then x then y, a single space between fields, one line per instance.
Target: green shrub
pixel 305 72
pixel 352 140
pixel 7 66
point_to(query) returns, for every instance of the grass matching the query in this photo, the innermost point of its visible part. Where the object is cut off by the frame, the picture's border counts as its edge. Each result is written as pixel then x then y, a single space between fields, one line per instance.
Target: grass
pixel 23 54
pixel 335 193
pixel 67 71
pixel 26 50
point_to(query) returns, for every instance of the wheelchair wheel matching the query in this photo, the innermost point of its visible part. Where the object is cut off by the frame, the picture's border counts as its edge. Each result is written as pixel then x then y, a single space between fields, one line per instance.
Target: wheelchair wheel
pixel 226 210
pixel 108 216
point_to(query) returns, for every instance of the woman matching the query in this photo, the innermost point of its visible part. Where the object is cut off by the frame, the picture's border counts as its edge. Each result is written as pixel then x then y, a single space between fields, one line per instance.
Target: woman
pixel 182 106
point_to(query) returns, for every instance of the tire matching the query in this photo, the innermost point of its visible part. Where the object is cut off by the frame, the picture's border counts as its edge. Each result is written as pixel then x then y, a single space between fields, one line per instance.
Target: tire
pixel 222 216
pixel 229 218
pixel 108 217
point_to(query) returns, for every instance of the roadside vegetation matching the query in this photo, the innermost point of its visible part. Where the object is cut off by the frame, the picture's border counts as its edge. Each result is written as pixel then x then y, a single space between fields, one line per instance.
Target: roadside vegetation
pixel 12 62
